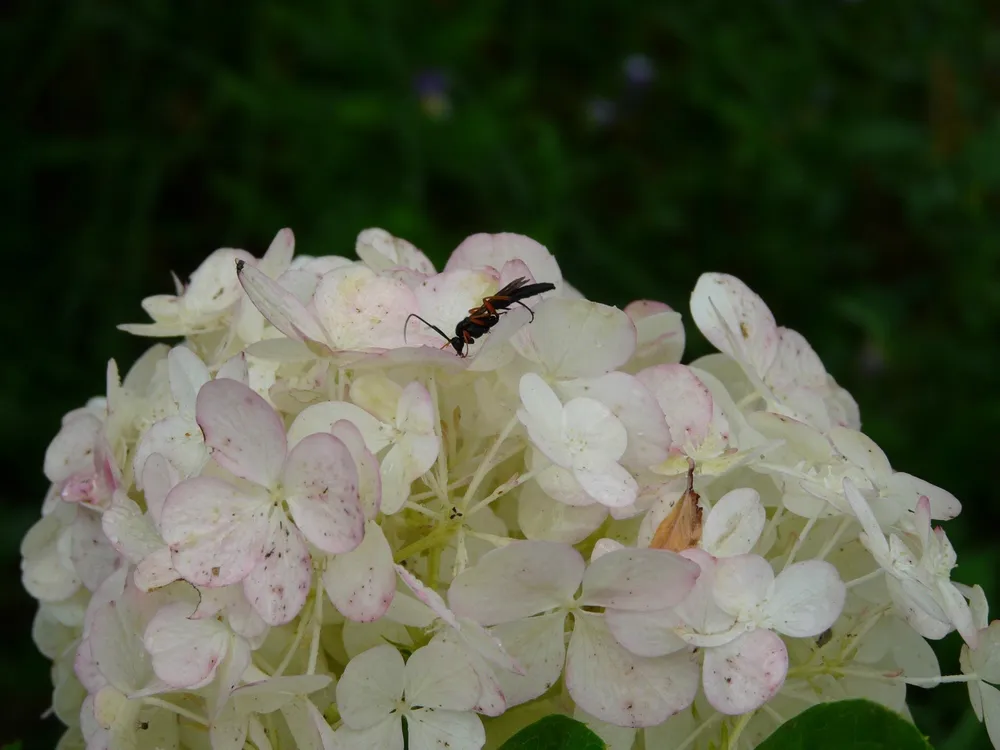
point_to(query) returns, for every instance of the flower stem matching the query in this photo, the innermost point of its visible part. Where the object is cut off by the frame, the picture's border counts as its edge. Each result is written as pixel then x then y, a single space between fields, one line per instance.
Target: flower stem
pixel 832 541
pixel 159 703
pixel 865 578
pixel 487 463
pixel 512 483
pixel 317 619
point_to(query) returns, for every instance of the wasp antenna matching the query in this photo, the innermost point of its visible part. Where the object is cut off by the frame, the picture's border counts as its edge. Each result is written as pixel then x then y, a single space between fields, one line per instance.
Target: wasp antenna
pixel 429 325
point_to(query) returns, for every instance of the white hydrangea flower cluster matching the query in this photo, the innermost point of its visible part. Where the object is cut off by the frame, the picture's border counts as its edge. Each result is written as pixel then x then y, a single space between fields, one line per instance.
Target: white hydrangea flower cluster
pixel 307 527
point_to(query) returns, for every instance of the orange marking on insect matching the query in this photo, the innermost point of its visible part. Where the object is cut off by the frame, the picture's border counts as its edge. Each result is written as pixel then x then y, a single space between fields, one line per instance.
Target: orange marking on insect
pixel 681 529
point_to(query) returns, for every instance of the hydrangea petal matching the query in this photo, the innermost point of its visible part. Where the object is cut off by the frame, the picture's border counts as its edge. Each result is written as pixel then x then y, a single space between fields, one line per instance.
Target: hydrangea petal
pixel 216 533
pixel 430 729
pixel 371 685
pixel 743 674
pixel 686 402
pixel 735 320
pixel 611 684
pixel 542 418
pixel 606 481
pixel 741 583
pixel 575 338
pixel 734 524
pixel 806 599
pixel 440 676
pixel 649 633
pixel 185 653
pixel 321 487
pixel 280 306
pixel 362 582
pixel 187 375
pixel 587 422
pixel 278 586
pixel 538 644
pixel 72 449
pixel 323 416
pixel 361 311
pixel 638 579
pixel 542 518
pixel 517 581
pixel 243 431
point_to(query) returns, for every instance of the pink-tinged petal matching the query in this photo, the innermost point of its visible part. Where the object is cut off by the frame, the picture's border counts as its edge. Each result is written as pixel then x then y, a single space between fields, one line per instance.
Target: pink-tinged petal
pixel 542 518
pixel 590 423
pixel 187 375
pixel 635 407
pixel 72 449
pixel 445 299
pixel 360 310
pixel 699 610
pixel 370 687
pixel 440 676
pixel 542 418
pixel 92 554
pixel 415 409
pixel 660 334
pixel 806 599
pixel 361 584
pixel 235 368
pixel 369 477
pixel 734 523
pixel 477 638
pixel 155 571
pixel 430 729
pixel 741 583
pixel 179 440
pixel 280 306
pixel 485 251
pixel 185 653
pixel 685 401
pixel 517 581
pixel 380 251
pixel 735 320
pixel 320 483
pixel 323 416
pixel 645 633
pixel 638 579
pixel 245 434
pixel 428 596
pixel 607 482
pixel 278 586
pixel 278 255
pixel 216 534
pixel 615 686
pixel 159 476
pixel 573 338
pixel 746 673
pixel 908 489
pixel 539 646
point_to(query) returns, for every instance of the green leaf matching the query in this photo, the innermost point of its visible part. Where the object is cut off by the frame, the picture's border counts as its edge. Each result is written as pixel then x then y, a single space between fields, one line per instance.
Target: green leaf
pixel 555 733
pixel 12 746
pixel 846 725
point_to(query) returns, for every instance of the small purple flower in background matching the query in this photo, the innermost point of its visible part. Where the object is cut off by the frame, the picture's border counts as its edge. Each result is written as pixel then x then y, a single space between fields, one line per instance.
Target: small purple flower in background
pixel 431 87
pixel 639 71
pixel 601 112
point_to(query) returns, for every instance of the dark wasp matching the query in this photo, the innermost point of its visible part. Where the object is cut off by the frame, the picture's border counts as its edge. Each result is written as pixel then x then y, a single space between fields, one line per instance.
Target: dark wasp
pixel 481 319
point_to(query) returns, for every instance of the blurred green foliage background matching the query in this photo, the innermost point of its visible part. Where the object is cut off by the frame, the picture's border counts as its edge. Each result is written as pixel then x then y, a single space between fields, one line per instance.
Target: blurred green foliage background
pixel 843 158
